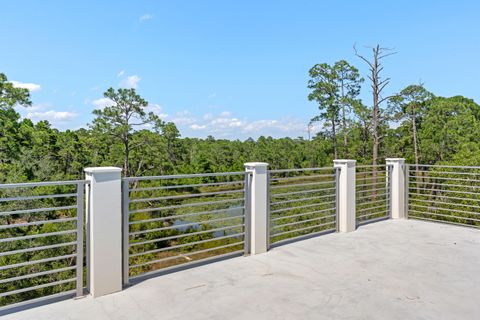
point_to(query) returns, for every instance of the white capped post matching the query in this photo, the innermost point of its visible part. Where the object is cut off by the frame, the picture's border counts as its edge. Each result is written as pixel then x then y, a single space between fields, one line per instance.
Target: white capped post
pixel 104 223
pixel 346 194
pixel 258 207
pixel 397 182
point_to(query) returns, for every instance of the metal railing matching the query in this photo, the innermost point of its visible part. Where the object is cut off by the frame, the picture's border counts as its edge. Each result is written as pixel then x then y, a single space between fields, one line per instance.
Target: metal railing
pixel 302 202
pixel 41 241
pixel 373 190
pixel 181 219
pixel 441 193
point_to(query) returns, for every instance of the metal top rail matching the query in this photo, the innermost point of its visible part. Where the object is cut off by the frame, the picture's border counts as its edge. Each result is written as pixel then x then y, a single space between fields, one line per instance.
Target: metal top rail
pixel 450 172
pixel 441 166
pixel 179 176
pixel 41 184
pixel 372 166
pixel 301 170
pixel 182 186
pixel 303 177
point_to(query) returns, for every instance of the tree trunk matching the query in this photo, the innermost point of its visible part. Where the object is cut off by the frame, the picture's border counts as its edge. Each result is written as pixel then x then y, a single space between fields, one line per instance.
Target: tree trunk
pixel 344 124
pixel 415 141
pixel 345 133
pixel 415 145
pixel 334 138
pixel 377 87
pixel 364 140
pixel 375 111
pixel 126 160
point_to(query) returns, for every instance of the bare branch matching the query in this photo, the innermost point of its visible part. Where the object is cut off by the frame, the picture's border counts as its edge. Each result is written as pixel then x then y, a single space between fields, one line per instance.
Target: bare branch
pixel 386 55
pixel 360 56
pixel 386 98
pixel 139 124
pixel 383 84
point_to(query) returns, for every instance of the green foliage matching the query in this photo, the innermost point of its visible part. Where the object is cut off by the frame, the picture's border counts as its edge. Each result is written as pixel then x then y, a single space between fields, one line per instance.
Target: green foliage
pixel 11 96
pixel 409 105
pixel 9 122
pixel 335 89
pixel 411 100
pixel 325 93
pixel 125 113
pixel 450 128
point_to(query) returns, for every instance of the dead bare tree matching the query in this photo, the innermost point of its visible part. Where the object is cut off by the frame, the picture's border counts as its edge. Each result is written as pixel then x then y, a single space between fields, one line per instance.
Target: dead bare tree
pixel 378 84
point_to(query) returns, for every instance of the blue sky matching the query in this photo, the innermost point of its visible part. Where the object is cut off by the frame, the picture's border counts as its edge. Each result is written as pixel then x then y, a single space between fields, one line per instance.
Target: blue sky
pixel 224 68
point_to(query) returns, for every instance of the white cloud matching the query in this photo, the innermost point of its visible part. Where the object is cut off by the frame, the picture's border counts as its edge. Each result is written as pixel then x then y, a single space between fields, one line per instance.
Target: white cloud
pixel 198 127
pixel 316 127
pixel 120 73
pixel 45 111
pixel 103 102
pixel 39 107
pixel 156 109
pixel 183 118
pixel 287 126
pixel 26 85
pixel 226 125
pixel 52 116
pixel 259 125
pixel 130 82
pixel 145 17
pixel 225 120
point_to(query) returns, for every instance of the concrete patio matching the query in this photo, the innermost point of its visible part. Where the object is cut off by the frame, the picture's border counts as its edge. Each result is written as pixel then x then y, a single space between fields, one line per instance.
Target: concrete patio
pixel 395 269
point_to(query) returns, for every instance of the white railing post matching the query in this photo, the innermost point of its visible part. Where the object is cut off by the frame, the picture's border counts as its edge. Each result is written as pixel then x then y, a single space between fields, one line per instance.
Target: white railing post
pixel 104 223
pixel 346 195
pixel 397 192
pixel 257 207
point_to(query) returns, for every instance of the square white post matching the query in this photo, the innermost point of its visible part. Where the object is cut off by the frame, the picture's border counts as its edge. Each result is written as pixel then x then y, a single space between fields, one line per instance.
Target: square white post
pixel 257 207
pixel 346 195
pixel 397 192
pixel 104 223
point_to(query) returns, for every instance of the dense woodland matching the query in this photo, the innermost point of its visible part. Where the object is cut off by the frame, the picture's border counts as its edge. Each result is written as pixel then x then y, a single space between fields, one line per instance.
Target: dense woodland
pixel 415 124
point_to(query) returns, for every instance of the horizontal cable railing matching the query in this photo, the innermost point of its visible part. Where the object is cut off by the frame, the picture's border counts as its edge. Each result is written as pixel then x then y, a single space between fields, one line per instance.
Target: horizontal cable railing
pixel 443 193
pixel 175 220
pixel 41 241
pixel 372 193
pixel 302 202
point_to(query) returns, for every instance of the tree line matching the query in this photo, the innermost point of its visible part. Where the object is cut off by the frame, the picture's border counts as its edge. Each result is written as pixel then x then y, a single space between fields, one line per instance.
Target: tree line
pixel 413 123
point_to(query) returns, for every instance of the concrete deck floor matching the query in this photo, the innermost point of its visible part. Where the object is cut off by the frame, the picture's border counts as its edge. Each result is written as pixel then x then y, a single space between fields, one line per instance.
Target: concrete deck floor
pixel 388 270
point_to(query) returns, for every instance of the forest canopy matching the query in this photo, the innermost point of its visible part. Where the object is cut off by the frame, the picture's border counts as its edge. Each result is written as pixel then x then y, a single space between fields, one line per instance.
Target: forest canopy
pixel 414 124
